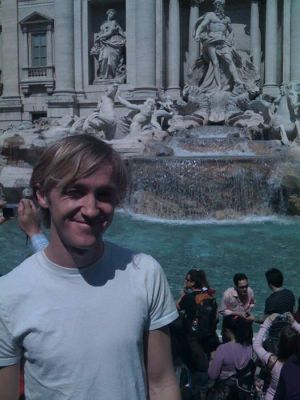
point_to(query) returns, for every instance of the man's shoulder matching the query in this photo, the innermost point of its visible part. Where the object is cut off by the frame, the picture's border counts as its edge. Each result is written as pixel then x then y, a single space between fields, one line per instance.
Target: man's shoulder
pixel 20 277
pixel 125 256
pixel 230 292
pixel 210 16
pixel 288 292
pixel 21 268
pixel 282 293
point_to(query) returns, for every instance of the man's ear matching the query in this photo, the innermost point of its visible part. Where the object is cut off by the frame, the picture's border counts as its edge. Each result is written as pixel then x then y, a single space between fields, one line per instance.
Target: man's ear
pixel 42 198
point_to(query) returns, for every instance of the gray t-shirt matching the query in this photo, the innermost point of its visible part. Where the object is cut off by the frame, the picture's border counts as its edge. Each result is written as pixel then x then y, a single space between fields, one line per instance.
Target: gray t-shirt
pixel 81 330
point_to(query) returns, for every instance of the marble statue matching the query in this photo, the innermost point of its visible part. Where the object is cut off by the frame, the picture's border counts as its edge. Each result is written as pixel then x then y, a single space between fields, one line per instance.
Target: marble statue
pixel 281 115
pixel 144 118
pixel 284 115
pixel 103 121
pixel 109 49
pixel 220 65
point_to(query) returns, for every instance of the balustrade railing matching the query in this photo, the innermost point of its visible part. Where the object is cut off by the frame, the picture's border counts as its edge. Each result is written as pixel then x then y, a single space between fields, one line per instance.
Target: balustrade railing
pixel 38 73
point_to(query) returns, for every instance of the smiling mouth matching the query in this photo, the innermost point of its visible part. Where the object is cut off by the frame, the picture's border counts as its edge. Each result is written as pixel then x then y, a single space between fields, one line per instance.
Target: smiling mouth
pixel 91 223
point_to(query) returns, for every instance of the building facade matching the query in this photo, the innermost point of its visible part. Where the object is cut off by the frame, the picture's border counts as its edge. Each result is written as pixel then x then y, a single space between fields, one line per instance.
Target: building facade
pixel 58 56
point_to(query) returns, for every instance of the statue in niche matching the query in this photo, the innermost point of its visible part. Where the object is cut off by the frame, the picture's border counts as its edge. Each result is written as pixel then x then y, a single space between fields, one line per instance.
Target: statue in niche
pixel 102 122
pixel 109 49
pixel 220 66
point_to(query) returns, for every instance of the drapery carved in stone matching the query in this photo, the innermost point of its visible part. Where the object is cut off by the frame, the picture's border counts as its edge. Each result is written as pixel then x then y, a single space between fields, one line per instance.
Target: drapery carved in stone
pixel 109 50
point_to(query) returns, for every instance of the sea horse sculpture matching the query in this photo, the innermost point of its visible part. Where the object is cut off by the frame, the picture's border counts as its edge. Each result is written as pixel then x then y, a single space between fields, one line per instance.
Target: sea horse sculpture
pixel 284 115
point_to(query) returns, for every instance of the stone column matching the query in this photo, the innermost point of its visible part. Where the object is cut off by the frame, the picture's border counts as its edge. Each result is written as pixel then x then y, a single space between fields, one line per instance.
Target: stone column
pixel 10 102
pixel 255 35
pixel 145 45
pixel 64 101
pixel 78 51
pixel 286 43
pixel 25 47
pixel 174 47
pixel 270 85
pixel 193 45
pixel 295 40
pixel 131 40
pixel 10 50
pixel 49 46
pixel 64 46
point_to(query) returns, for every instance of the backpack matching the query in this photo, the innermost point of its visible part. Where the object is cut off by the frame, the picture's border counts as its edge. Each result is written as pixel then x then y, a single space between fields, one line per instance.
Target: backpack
pixel 244 378
pixel 205 310
pixel 240 386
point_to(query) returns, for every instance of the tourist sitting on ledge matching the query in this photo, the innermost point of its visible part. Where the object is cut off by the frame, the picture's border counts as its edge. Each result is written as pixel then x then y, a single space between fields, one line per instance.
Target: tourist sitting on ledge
pixel 238 300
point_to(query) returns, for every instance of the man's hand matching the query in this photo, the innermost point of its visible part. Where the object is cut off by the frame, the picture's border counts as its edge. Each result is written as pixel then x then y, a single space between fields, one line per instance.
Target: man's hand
pixel 28 217
pixel 273 316
pixel 290 317
pixel 249 317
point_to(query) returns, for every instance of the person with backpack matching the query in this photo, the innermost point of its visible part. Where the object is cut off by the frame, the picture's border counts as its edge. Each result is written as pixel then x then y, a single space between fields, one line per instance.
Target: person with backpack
pixel 232 367
pixel 199 306
pixel 289 340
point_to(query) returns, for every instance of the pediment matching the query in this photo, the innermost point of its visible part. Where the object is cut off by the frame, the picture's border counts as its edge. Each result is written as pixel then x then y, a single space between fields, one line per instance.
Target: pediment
pixel 36 18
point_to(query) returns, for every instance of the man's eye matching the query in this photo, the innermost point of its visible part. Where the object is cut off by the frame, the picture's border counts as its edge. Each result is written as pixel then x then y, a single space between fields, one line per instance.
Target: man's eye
pixel 106 196
pixel 74 193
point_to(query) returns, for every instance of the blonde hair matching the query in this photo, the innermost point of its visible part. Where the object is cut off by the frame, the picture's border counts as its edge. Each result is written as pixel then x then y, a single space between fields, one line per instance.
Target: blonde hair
pixel 73 158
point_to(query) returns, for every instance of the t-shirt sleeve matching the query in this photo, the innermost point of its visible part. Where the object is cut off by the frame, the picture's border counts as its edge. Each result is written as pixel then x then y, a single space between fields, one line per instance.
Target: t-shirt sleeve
pixel 161 306
pixel 10 353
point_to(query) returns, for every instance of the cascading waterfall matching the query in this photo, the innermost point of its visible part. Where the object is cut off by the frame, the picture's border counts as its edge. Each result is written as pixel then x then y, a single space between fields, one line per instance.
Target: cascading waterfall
pixel 211 187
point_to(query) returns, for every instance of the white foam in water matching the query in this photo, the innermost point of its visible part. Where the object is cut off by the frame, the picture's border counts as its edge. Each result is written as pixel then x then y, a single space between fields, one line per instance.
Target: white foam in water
pixel 250 219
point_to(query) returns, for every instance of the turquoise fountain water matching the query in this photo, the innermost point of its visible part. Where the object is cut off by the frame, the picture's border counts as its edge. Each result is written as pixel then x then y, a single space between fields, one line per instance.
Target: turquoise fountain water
pixel 220 248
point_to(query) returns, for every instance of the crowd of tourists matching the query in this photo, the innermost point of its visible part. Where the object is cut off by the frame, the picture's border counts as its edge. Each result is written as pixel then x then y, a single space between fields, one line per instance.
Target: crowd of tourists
pixel 92 320
pixel 230 363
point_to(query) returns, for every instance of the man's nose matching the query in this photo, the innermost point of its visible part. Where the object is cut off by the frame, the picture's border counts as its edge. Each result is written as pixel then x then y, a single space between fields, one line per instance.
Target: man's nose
pixel 90 206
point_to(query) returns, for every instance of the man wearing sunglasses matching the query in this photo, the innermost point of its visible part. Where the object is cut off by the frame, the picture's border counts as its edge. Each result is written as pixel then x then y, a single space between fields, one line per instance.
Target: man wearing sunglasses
pixel 238 300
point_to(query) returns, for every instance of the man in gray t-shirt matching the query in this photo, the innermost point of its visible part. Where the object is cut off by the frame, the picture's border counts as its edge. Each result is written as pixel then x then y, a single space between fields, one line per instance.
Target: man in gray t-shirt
pixel 89 318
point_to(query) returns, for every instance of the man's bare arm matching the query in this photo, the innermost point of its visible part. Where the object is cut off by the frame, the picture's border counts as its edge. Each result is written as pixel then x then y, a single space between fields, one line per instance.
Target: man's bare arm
pixel 162 383
pixel 200 27
pixel 9 382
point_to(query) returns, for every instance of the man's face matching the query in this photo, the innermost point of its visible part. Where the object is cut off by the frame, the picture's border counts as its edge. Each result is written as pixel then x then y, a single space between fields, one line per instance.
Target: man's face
pixel 81 212
pixel 219 7
pixel 242 287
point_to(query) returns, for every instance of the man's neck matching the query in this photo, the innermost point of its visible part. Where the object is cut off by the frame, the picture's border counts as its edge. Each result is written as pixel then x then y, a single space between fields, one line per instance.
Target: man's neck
pixel 276 289
pixel 74 258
